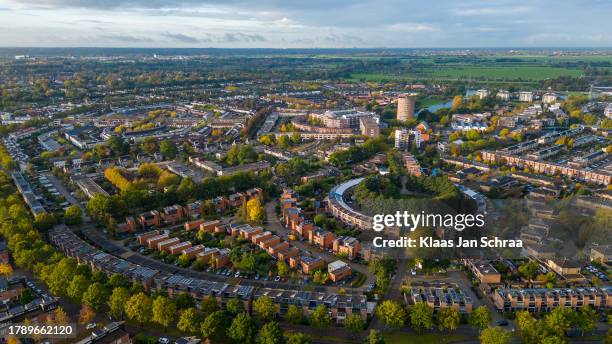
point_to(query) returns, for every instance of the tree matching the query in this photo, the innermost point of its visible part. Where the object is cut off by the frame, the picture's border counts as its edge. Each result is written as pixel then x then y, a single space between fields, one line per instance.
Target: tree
pixel 117 301
pixel 213 326
pixel 282 267
pixel 298 338
pixel 320 318
pixel 480 318
pixel 255 211
pixel 271 333
pixel 45 221
pixel 421 316
pixel 235 306
pixel 448 319
pixel 559 320
pixel 168 149
pixel 457 103
pixel 209 305
pixel 86 315
pixel 117 280
pixel 586 319
pixel 374 337
pixel 77 287
pixel 264 308
pixel 294 315
pixel 184 300
pixel 242 329
pixel 354 323
pixel 495 335
pixel 95 296
pixel 189 320
pixel 529 270
pixel 73 215
pixel 60 316
pixel 391 313
pixel 164 311
pixel 6 269
pixel 139 308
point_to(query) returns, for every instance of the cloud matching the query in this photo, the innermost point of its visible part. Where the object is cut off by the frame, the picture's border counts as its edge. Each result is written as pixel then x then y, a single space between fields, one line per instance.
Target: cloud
pixel 179 37
pixel 242 37
pixel 412 27
pixel 126 38
pixel 491 11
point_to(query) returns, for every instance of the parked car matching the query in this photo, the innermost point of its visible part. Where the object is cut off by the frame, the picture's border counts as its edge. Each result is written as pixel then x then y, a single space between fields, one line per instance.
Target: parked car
pixel 91 326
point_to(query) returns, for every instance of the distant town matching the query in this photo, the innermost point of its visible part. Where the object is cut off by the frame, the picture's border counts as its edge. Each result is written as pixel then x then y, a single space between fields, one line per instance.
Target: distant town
pixel 201 197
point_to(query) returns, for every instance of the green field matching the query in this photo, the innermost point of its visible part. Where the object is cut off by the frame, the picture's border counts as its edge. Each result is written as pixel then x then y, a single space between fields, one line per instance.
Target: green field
pixel 493 73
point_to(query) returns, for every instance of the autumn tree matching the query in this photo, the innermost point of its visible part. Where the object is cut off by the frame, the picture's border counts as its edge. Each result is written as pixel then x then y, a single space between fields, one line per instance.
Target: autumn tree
pixel 320 318
pixel 242 329
pixel 164 311
pixel 421 316
pixel 480 317
pixel 139 308
pixel 264 308
pixel 495 335
pixel 391 313
pixel 448 319
pixel 86 315
pixel 189 320
pixel 117 302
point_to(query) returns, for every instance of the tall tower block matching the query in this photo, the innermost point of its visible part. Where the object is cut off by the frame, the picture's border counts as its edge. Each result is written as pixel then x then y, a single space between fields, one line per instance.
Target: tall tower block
pixel 405 106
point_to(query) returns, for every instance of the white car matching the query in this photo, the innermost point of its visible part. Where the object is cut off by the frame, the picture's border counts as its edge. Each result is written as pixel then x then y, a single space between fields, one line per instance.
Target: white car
pixel 163 340
pixel 91 326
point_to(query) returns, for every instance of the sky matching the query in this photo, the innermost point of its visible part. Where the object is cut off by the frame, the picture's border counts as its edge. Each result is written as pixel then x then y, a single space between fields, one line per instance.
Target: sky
pixel 306 23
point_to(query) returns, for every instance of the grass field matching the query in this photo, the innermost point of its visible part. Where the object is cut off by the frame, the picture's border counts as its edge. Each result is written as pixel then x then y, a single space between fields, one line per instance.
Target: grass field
pixel 462 72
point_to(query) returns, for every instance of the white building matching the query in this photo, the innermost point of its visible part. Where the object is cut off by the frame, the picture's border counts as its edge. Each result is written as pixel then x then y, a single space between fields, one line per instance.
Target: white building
pixel 608 110
pixel 482 93
pixel 549 98
pixel 526 97
pixel 405 137
pixel 503 95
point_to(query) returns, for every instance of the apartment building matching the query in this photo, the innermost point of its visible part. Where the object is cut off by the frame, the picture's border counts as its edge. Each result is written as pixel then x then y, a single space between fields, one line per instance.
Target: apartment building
pixel 483 270
pixel 338 270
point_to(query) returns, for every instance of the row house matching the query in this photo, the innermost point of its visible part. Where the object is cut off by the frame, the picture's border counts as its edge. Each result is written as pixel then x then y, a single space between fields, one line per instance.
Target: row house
pixel 214 226
pixel 245 231
pixel 173 214
pixel 142 238
pixel 338 306
pixel 192 251
pixel 165 245
pixel 180 247
pixel 346 246
pixel 149 219
pixel 307 263
pixel 154 240
pixel 441 297
pixel 321 238
pixel 545 300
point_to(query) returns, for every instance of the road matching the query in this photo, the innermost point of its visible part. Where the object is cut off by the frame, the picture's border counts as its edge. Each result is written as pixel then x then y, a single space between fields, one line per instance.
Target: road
pixel 59 185
pixel 274 224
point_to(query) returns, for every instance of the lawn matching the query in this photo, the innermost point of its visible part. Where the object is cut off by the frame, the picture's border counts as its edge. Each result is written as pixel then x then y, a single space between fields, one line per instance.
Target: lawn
pixel 399 337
